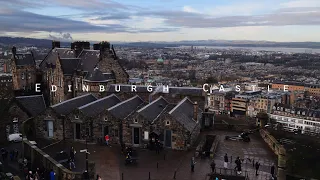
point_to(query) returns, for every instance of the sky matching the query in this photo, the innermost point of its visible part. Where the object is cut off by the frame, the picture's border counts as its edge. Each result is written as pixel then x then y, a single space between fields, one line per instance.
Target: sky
pixel 162 20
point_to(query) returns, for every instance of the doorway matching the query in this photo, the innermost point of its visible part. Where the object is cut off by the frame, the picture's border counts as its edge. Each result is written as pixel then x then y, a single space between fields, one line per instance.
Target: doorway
pixel 77 131
pixel 136 136
pixel 106 131
pixel 168 138
pixel 50 129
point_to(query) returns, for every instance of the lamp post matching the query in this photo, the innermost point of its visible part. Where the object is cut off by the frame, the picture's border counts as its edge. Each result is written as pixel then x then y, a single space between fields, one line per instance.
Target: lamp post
pixel 87 163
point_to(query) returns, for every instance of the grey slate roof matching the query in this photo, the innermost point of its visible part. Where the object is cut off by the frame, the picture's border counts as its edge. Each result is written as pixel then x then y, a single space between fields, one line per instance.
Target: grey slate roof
pixel 183 113
pixel 153 109
pixel 125 108
pixel 53 55
pixel 33 105
pixel 97 76
pixel 295 110
pixel 98 106
pixel 192 91
pixel 89 59
pixel 66 107
pixel 69 65
pixel 24 59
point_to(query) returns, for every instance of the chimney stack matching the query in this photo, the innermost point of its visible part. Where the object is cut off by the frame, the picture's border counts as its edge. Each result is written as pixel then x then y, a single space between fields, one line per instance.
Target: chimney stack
pixel 78 46
pixel 55 44
pixel 195 111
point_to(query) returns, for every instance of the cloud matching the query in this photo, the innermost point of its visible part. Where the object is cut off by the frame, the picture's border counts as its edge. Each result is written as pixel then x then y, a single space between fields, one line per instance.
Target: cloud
pixel 21 21
pixel 61 37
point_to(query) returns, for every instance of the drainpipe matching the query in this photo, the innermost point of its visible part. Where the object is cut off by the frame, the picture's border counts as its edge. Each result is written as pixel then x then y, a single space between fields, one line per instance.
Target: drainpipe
pixel 63 126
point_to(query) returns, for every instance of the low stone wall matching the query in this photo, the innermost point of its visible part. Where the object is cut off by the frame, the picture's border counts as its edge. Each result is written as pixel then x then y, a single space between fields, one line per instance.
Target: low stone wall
pixel 278 149
pixel 214 146
pixel 37 158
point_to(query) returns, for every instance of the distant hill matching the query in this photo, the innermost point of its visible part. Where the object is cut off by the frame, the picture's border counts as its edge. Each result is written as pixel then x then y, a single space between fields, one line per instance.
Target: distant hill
pixel 20 41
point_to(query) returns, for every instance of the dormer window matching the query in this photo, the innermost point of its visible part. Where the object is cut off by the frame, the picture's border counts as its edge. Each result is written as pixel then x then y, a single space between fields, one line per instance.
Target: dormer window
pixel 167 123
pixel 76 117
pixel 49 115
pixel 135 121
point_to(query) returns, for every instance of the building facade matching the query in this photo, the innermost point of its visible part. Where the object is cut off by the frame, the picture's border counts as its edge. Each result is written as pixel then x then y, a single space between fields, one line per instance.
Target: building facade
pixel 290 118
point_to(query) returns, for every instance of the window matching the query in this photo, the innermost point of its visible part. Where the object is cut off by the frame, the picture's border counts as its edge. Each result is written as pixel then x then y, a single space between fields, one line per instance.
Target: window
pixel 76 117
pixel 29 75
pixel 135 121
pixel 22 75
pixel 167 123
pixel 105 118
pixel 146 135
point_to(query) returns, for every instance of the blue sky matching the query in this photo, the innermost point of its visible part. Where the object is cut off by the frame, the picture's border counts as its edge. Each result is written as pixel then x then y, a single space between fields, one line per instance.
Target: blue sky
pixel 162 20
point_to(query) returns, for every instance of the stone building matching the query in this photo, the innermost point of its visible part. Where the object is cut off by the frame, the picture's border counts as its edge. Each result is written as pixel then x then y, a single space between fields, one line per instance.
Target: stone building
pixel 54 122
pixel 92 120
pixel 72 71
pixel 24 71
pixel 120 115
pixel 175 125
pixel 21 109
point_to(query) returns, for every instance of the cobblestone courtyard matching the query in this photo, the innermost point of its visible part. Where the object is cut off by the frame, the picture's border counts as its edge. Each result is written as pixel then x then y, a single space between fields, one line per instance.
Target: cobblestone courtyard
pixel 110 163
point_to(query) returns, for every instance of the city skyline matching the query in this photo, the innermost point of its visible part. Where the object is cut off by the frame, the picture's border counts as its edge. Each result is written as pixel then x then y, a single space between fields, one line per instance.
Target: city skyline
pixel 167 20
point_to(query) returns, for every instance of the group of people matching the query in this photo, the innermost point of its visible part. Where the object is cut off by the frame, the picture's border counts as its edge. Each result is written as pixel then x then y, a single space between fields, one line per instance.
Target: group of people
pixel 13 154
pixel 40 174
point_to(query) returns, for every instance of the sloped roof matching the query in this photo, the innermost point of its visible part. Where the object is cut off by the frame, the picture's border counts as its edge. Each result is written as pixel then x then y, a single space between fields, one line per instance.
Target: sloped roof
pixel 125 108
pixel 69 65
pixel 89 59
pixel 24 59
pixel 153 109
pixel 53 55
pixel 66 107
pixel 183 113
pixel 33 105
pixel 98 106
pixel 97 76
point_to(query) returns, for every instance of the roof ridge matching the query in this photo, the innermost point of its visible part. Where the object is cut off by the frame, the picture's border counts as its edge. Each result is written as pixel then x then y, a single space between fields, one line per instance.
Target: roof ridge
pixel 98 100
pixel 123 102
pixel 179 104
pixel 69 100
pixel 149 104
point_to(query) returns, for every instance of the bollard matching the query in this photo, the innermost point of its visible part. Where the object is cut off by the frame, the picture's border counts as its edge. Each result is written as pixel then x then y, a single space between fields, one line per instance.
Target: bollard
pixel 157 165
pixel 121 176
pixel 149 176
pixel 175 173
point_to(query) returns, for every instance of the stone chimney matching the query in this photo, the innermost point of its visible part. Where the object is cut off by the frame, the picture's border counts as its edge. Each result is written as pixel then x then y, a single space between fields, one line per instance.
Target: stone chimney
pixel 55 44
pixel 78 46
pixel 195 111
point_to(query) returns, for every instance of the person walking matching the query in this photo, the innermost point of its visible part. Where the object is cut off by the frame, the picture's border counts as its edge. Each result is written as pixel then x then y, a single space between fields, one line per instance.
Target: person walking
pixel 213 166
pixel 226 160
pixel 238 165
pixel 192 164
pixel 52 175
pixel 107 139
pixel 71 164
pixel 272 170
pixel 72 153
pixel 257 167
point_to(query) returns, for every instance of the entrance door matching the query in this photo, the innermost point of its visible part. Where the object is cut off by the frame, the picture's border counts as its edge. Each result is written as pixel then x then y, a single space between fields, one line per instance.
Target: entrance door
pixel 168 138
pixel 77 131
pixel 106 130
pixel 136 135
pixel 50 129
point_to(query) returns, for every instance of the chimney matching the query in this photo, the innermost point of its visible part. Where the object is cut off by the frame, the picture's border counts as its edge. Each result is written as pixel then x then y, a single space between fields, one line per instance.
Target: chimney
pixel 55 44
pixel 195 111
pixel 79 46
pixel 96 46
pixel 104 47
